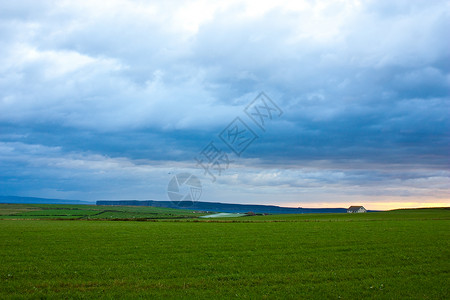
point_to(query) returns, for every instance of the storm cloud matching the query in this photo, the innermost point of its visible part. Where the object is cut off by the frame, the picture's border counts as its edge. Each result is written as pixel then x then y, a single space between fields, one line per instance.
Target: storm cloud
pixel 107 100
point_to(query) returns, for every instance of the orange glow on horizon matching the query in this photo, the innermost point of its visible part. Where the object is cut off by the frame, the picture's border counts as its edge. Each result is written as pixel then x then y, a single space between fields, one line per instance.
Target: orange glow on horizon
pixel 371 205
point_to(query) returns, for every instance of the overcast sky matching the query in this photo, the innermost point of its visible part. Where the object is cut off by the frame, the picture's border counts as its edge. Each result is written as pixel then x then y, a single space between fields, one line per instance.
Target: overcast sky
pixel 110 99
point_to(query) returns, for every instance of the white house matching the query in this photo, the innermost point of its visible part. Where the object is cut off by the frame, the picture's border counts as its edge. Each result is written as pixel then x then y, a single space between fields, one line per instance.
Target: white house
pixel 356 209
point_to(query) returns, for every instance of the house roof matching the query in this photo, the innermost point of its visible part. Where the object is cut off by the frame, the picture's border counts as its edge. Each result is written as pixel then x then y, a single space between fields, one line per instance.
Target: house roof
pixel 355 207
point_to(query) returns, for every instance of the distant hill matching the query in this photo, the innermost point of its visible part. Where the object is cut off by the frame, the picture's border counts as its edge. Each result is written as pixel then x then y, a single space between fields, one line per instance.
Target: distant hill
pixel 226 207
pixel 31 200
pixel 199 206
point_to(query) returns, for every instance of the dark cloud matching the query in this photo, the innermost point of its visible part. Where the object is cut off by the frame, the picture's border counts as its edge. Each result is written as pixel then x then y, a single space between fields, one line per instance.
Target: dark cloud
pixel 359 86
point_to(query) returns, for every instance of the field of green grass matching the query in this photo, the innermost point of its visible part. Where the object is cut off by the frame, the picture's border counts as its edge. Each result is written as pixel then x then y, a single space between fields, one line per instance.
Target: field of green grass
pixel 383 255
pixel 91 212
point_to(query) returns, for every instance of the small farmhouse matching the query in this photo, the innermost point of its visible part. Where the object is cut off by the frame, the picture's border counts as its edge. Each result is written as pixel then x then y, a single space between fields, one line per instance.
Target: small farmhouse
pixel 356 209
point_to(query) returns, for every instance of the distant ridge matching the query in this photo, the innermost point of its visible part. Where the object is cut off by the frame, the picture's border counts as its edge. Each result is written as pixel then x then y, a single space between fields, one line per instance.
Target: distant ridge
pixel 226 207
pixel 202 206
pixel 31 200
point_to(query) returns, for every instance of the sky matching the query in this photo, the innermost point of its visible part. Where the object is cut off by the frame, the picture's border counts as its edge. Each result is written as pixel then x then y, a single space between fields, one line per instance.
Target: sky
pixel 109 100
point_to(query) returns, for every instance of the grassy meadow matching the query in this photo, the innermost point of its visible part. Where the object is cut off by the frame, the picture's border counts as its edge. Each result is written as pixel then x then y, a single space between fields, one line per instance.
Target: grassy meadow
pixel 91 212
pixel 383 255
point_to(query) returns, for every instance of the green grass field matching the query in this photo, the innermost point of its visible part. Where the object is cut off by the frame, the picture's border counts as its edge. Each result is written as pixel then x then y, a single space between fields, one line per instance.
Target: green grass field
pixel 385 255
pixel 90 212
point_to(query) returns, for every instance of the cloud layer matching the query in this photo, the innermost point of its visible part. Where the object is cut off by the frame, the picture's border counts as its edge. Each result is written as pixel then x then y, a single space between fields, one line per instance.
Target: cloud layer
pixel 105 100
